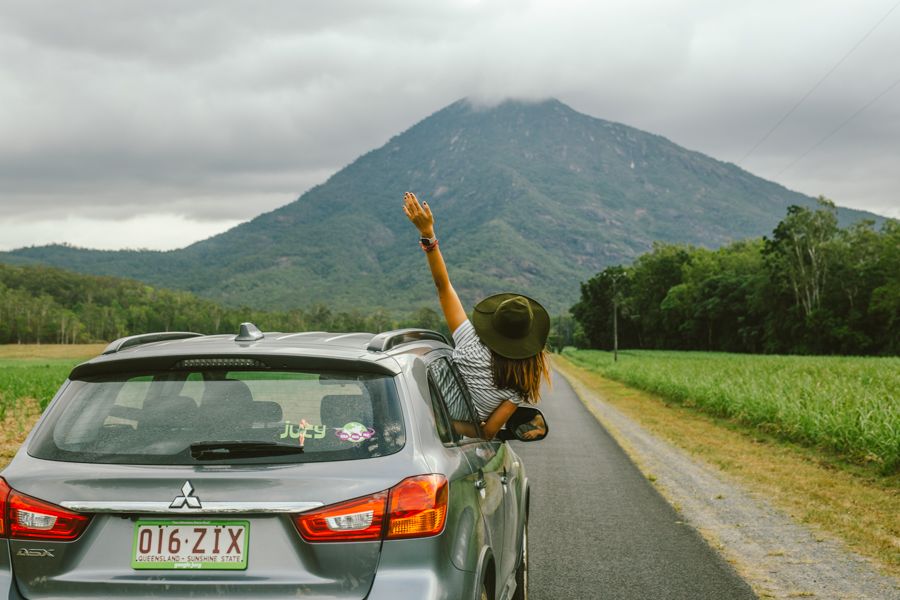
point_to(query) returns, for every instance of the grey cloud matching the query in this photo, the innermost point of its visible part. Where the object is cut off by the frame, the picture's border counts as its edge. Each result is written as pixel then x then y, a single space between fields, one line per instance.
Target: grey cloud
pixel 173 32
pixel 228 197
pixel 224 110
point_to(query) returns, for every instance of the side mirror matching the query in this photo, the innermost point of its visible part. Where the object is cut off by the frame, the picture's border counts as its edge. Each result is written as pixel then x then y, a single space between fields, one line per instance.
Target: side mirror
pixel 527 424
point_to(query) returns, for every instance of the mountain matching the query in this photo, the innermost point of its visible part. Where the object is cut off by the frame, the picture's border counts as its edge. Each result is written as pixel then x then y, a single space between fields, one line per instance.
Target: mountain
pixel 531 197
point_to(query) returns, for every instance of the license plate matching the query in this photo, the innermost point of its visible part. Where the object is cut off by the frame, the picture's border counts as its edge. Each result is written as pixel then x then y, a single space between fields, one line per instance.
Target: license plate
pixel 190 545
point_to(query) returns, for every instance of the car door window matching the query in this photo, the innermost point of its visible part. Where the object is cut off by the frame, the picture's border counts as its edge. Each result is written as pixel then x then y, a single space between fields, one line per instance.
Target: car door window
pixel 454 399
pixel 442 423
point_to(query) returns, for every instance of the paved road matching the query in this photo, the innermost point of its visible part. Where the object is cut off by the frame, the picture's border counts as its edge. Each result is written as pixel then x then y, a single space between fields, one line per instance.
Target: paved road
pixel 599 529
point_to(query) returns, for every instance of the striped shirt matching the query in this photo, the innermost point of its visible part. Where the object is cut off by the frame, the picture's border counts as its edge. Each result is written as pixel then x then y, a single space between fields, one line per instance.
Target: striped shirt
pixel 473 360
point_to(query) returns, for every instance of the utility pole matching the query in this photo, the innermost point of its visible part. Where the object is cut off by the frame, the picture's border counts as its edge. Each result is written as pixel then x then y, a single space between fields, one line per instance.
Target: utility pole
pixel 615 324
pixel 559 334
pixel 615 277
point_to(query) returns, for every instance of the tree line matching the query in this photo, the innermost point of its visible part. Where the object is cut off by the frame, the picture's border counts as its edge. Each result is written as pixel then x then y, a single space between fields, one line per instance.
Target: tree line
pixel 811 288
pixel 40 305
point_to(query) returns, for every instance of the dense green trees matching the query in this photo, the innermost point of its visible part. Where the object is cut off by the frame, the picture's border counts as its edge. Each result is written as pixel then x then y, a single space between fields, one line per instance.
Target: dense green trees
pixel 812 287
pixel 47 305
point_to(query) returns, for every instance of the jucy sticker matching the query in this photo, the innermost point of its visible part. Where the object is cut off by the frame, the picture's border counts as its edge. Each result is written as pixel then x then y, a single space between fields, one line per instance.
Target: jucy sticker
pixel 168 544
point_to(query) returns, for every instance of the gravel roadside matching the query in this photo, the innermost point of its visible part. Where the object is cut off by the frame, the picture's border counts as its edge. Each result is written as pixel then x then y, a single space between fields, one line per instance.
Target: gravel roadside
pixel 777 556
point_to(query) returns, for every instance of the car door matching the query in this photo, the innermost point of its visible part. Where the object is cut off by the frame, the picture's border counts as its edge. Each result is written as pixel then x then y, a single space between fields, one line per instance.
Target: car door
pixel 486 463
pixel 503 468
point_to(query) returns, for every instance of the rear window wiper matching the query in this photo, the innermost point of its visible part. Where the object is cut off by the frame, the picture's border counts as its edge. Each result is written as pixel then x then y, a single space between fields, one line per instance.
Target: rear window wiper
pixel 220 450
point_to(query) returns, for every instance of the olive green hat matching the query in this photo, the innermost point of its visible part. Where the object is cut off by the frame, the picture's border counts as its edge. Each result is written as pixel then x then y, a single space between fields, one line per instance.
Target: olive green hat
pixel 512 325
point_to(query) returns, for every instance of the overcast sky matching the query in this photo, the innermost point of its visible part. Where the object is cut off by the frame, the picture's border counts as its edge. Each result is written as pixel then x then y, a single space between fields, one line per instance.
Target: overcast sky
pixel 127 123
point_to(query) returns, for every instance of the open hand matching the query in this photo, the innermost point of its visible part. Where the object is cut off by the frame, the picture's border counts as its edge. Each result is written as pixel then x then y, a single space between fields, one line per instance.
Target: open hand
pixel 419 214
pixel 533 434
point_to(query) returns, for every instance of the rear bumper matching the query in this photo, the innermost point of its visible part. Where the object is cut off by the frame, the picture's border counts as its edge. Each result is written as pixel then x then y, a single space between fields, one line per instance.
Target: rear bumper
pixel 8 587
pixel 406 584
pixel 419 570
pixel 395 580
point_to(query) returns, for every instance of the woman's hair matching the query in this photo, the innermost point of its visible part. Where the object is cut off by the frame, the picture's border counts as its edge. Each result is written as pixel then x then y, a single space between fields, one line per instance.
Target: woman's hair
pixel 523 375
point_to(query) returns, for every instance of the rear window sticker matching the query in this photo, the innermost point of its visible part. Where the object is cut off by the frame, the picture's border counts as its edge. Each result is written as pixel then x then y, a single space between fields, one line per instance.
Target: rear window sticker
pixel 354 432
pixel 303 430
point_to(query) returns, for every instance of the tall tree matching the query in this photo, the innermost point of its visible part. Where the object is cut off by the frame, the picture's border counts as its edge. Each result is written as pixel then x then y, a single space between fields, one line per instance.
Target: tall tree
pixel 799 249
pixel 650 279
pixel 594 311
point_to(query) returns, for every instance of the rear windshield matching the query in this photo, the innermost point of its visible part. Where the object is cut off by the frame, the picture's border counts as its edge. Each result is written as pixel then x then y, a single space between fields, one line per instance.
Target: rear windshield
pixel 162 418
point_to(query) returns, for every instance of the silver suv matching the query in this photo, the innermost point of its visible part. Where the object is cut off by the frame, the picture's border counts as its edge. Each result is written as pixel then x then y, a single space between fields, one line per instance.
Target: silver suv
pixel 311 465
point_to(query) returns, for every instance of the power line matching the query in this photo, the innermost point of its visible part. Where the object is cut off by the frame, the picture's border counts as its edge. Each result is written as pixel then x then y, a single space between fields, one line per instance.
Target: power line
pixel 839 127
pixel 818 83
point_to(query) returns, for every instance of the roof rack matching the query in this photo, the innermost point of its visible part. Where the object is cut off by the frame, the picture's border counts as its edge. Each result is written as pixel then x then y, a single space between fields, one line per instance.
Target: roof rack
pixel 390 339
pixel 148 338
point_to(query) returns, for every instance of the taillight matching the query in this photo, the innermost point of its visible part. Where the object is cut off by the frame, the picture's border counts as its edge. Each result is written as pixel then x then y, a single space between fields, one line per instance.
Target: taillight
pixel 4 492
pixel 415 507
pixel 351 521
pixel 418 507
pixel 25 517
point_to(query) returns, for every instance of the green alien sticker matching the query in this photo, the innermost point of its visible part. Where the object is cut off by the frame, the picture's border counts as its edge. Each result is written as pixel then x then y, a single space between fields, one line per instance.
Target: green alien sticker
pixel 354 432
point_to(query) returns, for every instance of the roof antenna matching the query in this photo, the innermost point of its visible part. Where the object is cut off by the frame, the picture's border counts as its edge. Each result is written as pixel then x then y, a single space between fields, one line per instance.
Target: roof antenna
pixel 249 333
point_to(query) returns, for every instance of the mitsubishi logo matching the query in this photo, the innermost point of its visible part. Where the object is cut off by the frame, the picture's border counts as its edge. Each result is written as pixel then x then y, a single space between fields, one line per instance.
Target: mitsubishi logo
pixel 186 497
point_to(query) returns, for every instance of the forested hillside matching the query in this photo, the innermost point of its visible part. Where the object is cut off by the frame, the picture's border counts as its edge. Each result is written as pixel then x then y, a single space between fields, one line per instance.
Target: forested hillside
pixel 47 305
pixel 811 287
pixel 531 197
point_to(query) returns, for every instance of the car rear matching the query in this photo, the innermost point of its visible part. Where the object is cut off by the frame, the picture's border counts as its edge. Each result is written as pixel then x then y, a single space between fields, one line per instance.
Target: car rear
pixel 205 476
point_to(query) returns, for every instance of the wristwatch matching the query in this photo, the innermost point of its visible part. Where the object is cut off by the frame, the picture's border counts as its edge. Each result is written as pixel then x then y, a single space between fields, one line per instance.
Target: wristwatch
pixel 428 241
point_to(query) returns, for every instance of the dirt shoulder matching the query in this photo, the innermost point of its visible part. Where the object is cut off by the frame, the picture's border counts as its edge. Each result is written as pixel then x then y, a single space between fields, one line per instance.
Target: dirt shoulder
pixel 731 487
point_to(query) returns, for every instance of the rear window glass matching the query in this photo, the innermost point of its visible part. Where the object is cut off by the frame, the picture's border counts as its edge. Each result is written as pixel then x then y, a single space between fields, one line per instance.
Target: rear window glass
pixel 166 417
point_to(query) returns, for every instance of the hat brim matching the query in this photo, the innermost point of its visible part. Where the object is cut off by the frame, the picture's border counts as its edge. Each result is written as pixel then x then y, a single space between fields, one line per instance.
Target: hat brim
pixel 517 348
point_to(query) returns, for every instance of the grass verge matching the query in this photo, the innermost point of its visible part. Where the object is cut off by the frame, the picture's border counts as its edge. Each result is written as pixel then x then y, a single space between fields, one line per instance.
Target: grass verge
pixel 832 496
pixel 846 405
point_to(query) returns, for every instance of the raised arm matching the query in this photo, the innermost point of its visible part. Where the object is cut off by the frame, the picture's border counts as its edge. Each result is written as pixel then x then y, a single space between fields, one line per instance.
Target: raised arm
pixel 420 216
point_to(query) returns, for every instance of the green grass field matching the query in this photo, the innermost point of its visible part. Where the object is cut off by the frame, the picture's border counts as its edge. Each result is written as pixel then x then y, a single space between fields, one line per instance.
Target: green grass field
pixel 37 371
pixel 30 375
pixel 37 378
pixel 849 405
